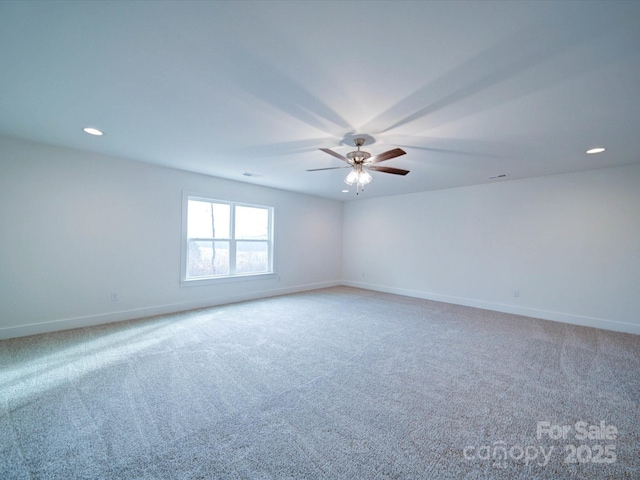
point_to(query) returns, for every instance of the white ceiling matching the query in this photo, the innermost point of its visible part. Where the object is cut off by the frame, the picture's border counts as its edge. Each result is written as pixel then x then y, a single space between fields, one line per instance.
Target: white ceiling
pixel 469 89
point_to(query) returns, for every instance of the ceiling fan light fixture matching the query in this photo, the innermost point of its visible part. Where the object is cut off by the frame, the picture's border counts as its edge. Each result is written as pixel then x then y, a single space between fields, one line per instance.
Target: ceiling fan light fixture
pixel 361 177
pixel 364 178
pixel 351 178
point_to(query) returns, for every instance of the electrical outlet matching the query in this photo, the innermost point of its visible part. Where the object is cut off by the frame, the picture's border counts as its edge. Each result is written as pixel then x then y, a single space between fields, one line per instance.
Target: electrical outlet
pixel 115 297
pixel 516 293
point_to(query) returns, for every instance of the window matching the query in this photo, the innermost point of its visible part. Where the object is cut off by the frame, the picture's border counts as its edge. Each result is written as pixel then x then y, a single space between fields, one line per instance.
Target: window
pixel 226 239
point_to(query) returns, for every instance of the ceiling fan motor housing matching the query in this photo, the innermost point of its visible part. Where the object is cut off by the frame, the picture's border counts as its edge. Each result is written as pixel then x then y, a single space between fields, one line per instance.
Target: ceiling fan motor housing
pixel 358 156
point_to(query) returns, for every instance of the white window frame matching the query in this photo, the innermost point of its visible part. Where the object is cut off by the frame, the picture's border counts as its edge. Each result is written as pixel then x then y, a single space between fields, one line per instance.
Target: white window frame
pixel 231 276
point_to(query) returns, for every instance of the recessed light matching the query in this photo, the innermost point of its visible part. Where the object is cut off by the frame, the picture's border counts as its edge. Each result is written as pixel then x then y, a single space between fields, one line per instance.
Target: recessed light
pixel 345 191
pixel 93 131
pixel 595 150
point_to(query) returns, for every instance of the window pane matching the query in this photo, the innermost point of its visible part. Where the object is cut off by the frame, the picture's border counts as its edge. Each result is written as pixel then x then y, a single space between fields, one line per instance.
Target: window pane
pixel 252 223
pixel 206 218
pixel 252 257
pixel 222 215
pixel 199 220
pixel 204 260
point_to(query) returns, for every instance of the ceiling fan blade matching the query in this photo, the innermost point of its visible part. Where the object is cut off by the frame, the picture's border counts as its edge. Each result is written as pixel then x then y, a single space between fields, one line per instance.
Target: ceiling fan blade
pixel 337 155
pixel 396 152
pixel 395 171
pixel 328 168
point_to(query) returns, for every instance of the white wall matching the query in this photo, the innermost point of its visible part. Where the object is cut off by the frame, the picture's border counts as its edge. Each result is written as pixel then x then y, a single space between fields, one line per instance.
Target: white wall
pixel 569 243
pixel 76 226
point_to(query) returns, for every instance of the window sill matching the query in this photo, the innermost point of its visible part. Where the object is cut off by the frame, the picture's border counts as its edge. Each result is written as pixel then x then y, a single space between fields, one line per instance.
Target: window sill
pixel 196 282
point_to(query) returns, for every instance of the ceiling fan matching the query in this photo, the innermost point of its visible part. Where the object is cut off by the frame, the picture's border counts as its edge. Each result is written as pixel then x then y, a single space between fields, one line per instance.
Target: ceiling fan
pixel 360 162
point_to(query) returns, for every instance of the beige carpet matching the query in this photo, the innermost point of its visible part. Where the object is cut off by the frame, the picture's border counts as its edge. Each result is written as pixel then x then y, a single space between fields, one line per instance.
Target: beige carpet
pixel 335 383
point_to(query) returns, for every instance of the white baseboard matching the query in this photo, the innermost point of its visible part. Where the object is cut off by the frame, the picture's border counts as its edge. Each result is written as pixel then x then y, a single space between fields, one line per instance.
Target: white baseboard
pixel 499 307
pixel 102 318
pixel 98 319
